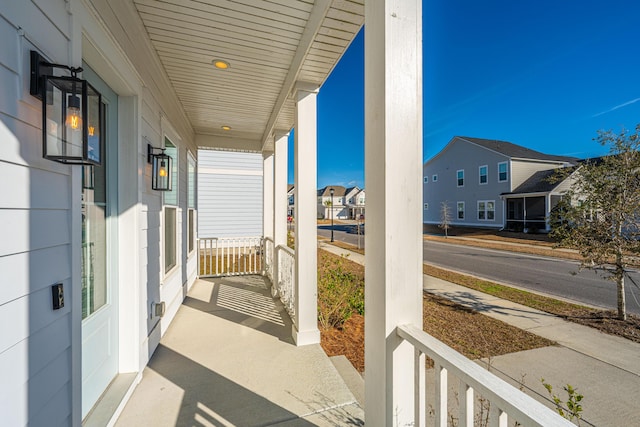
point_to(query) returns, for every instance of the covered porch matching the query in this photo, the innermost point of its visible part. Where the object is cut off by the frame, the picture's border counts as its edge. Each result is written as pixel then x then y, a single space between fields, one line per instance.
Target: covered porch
pixel 228 359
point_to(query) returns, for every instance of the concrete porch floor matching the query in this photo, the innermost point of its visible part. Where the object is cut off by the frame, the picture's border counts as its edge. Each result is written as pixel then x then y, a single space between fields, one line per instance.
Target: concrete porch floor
pixel 228 359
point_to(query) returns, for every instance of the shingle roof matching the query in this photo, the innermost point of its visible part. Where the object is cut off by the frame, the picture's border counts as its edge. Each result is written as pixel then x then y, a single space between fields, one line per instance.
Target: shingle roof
pixel 517 151
pixel 338 191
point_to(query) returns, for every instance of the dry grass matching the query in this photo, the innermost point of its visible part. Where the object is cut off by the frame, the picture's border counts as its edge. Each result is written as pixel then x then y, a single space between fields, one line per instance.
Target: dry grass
pixel 474 335
pixel 603 320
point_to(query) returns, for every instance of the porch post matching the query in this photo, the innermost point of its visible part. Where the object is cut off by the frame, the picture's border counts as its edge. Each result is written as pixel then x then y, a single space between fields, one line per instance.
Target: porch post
pixel 393 179
pixel 267 193
pixel 280 188
pixel 305 327
pixel 279 201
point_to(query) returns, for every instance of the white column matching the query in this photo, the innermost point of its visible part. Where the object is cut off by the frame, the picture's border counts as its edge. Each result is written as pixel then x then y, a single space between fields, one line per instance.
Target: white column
pixel 267 193
pixel 305 328
pixel 393 178
pixel 280 188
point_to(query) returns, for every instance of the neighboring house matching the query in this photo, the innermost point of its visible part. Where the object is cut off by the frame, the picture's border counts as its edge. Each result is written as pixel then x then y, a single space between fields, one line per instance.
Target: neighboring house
pixel 529 206
pixel 229 193
pixel 471 175
pixel 355 202
pixel 327 203
pixel 291 201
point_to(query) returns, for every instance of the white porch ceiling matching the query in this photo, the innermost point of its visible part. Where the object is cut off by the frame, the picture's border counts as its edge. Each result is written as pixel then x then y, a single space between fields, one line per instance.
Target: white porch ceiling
pixel 270 46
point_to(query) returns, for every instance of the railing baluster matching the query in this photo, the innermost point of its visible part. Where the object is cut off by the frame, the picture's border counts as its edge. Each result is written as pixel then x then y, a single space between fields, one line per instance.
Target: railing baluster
pixel 235 256
pixel 420 399
pixel 441 396
pixel 497 417
pixel 466 405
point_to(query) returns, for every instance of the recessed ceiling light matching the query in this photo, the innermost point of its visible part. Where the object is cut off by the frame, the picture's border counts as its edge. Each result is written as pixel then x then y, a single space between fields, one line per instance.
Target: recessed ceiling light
pixel 226 127
pixel 220 64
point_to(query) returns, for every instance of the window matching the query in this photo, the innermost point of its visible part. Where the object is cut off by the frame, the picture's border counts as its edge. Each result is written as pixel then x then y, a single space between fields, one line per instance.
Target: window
pixel 434 178
pixel 169 238
pixel 426 179
pixel 361 201
pixel 460 174
pixel 486 210
pixel 426 206
pixel 484 174
pixel 191 202
pixel 191 230
pixel 170 211
pixel 503 174
pixel 460 210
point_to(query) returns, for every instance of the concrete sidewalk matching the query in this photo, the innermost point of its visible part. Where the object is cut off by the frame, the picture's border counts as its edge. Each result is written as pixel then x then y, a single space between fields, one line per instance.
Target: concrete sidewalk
pixel 604 368
pixel 228 359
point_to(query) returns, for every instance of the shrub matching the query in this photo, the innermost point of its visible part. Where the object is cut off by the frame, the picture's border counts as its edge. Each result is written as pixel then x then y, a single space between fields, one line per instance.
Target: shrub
pixel 340 292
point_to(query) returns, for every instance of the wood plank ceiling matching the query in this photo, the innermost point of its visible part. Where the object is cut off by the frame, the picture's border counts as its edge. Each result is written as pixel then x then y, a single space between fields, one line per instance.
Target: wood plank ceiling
pixel 269 46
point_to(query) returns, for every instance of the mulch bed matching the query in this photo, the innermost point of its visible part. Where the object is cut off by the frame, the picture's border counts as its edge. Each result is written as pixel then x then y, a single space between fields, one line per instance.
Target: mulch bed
pixel 467 331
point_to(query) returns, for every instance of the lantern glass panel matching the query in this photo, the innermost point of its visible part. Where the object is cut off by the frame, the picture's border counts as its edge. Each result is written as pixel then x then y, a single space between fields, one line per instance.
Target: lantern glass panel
pixel 94 128
pixel 161 173
pixel 63 128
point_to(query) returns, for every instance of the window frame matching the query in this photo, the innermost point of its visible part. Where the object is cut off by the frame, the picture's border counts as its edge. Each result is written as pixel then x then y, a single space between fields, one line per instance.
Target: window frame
pixel 426 206
pixel 458 178
pixel 425 179
pixel 458 211
pixel 167 269
pixel 485 211
pixel 486 175
pixel 169 136
pixel 506 172
pixel 434 178
pixel 192 195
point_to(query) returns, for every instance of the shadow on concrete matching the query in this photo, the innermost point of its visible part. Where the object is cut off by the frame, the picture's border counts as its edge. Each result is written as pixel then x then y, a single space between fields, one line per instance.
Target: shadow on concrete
pixel 472 301
pixel 247 301
pixel 211 399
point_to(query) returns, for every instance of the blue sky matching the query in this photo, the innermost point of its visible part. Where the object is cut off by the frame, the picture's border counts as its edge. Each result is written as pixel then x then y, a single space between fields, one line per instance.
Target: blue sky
pixel 546 75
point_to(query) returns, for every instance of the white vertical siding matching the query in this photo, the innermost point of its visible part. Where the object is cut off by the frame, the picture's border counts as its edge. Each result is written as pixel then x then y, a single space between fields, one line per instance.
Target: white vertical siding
pixel 35 201
pixel 229 194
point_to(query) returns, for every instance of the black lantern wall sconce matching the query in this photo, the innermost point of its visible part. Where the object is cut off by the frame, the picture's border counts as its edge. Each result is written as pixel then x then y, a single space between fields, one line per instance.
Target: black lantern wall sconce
pixel 72 114
pixel 161 168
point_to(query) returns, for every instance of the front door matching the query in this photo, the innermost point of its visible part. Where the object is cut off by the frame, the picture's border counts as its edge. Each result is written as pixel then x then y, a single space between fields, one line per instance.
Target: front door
pixel 99 269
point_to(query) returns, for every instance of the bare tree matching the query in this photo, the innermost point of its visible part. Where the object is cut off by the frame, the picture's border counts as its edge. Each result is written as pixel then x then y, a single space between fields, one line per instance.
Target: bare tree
pixel 445 218
pixel 600 214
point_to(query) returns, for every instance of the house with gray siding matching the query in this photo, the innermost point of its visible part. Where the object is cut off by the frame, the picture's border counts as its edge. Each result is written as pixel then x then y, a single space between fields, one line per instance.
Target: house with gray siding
pixel 471 175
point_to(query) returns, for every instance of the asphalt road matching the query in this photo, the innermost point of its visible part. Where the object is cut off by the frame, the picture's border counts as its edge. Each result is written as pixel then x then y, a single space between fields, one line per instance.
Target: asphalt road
pixel 552 276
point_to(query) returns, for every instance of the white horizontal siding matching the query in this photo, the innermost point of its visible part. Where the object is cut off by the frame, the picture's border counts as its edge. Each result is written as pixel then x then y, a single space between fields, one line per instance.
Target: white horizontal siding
pixel 35 202
pixel 229 194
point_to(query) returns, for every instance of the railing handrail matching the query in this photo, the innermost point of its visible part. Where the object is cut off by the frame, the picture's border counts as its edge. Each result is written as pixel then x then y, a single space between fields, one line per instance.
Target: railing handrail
pixel 286 249
pixel 523 408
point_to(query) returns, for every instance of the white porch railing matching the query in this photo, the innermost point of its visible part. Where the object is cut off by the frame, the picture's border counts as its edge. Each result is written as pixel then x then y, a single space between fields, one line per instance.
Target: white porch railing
pixel 285 282
pixel 507 404
pixel 229 256
pixel 269 258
